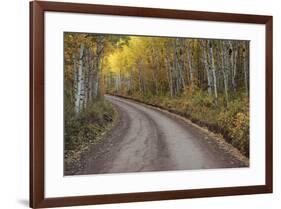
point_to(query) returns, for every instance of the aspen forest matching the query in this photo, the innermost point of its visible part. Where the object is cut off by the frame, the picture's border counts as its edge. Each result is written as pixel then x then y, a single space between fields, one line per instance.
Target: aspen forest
pixel 203 80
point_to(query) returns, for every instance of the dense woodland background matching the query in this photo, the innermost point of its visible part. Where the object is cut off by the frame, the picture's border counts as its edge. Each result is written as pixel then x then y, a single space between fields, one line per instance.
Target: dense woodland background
pixel 204 80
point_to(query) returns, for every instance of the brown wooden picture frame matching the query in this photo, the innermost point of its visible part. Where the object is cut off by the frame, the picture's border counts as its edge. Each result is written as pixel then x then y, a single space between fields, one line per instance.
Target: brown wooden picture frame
pixel 37 9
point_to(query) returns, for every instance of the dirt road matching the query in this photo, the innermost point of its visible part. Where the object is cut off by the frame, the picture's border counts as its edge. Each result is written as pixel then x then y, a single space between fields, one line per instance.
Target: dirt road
pixel 147 139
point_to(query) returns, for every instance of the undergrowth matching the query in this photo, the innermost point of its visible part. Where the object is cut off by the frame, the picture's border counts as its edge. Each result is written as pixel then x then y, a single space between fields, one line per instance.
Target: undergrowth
pixel 83 130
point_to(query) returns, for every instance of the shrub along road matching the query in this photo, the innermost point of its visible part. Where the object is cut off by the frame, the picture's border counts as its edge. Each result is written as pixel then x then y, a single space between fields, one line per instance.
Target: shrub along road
pixel 148 139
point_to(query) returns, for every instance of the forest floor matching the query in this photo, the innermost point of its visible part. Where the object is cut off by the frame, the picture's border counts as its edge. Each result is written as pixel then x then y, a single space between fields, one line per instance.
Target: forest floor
pixel 146 138
pixel 84 131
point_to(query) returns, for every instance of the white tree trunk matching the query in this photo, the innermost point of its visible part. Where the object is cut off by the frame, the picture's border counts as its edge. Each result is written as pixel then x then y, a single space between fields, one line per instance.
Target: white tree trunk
pixel 190 59
pixel 224 69
pixel 213 70
pixel 91 76
pixel 80 82
pixel 207 68
pixel 245 68
pixel 180 62
pixel 233 62
pixel 75 86
pixel 169 75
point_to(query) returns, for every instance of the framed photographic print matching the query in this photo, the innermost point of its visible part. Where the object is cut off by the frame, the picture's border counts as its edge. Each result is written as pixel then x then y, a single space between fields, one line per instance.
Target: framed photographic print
pixel 140 104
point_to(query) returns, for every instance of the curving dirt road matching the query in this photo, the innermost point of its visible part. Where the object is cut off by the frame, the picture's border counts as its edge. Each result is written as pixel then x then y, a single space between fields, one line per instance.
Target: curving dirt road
pixel 147 139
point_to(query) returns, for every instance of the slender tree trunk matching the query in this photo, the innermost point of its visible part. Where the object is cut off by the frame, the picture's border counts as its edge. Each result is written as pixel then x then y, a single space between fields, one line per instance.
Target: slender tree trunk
pixel 86 77
pixel 180 63
pixel 206 66
pixel 190 60
pixel 225 78
pixel 99 54
pixel 75 83
pixel 140 81
pixel 233 58
pixel 117 83
pixel 224 70
pixel 131 81
pixel 175 67
pixel 91 75
pixel 154 70
pixel 80 84
pixel 169 75
pixel 156 81
pixel 245 68
pixel 213 70
pixel 235 54
pixel 120 81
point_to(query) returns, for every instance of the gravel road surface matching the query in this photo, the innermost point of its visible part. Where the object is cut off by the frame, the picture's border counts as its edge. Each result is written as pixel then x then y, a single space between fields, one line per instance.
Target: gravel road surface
pixel 147 139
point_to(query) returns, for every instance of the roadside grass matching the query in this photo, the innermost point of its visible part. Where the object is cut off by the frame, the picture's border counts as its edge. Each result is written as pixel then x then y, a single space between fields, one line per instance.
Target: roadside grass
pixel 232 122
pixel 83 130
